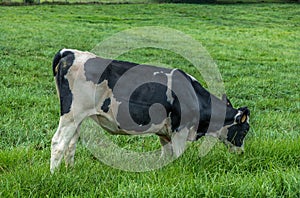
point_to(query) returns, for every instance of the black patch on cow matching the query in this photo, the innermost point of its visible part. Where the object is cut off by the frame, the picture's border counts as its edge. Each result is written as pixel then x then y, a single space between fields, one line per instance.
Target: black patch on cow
pixel 105 106
pixel 94 68
pixel 64 61
pixel 205 100
pixel 143 98
pixel 98 69
pixel 55 62
pixel 114 71
pixel 237 133
pixel 175 114
pixel 59 56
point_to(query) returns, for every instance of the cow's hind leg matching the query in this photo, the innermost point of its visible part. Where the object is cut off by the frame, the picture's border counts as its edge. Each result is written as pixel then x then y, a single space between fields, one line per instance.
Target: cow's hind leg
pixel 61 140
pixel 70 150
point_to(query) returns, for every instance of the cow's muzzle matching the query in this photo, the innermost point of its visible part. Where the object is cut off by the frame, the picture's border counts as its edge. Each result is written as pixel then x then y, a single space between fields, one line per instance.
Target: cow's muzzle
pixel 237 149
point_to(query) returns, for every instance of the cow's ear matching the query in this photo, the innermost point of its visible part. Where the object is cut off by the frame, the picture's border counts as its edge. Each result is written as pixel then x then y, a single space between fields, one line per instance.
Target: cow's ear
pixel 226 100
pixel 242 118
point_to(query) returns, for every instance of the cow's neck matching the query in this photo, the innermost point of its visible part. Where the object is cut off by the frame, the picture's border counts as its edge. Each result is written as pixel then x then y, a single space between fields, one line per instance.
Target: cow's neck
pixel 214 114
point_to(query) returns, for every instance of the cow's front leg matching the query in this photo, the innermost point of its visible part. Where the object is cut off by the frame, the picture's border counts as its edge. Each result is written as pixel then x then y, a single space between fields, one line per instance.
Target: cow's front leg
pixel 166 150
pixel 70 150
pixel 61 141
pixel 179 139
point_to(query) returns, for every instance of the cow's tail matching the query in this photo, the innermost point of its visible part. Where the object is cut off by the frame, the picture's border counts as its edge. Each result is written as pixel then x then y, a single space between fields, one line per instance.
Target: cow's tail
pixel 55 67
pixel 63 54
pixel 62 61
pixel 55 62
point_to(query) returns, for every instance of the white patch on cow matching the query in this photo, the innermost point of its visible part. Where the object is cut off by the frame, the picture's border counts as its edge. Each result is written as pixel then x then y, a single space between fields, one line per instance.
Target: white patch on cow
pixel 192 134
pixel 238 114
pixel 70 151
pixel 158 72
pixel 161 128
pixel 174 144
pixel 76 72
pixel 192 77
pixel 179 141
pixel 167 150
pixel 170 99
pixel 80 55
pixel 220 134
pixel 107 120
pixel 236 149
pixel 223 132
pixel 61 139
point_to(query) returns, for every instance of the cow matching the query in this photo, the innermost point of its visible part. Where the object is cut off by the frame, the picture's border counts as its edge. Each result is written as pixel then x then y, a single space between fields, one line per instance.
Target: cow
pixel 131 99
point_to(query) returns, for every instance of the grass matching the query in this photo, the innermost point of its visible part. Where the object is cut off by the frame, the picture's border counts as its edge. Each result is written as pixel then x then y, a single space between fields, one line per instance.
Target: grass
pixel 20 2
pixel 256 47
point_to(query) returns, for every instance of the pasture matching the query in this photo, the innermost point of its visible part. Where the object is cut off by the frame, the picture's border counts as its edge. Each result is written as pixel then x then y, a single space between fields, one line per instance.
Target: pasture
pixel 256 47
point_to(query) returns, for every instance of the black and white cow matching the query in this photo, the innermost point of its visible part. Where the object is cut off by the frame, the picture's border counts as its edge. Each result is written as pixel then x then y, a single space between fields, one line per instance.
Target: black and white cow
pixel 127 98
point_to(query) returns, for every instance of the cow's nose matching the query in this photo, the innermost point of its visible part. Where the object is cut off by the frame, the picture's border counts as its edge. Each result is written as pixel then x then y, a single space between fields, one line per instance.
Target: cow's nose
pixel 241 150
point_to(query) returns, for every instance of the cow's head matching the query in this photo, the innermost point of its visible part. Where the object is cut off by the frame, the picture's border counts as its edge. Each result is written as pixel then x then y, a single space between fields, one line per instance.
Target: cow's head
pixel 233 133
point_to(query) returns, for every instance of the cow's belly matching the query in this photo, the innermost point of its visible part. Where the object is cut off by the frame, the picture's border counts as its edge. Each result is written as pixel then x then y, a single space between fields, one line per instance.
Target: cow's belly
pixel 111 126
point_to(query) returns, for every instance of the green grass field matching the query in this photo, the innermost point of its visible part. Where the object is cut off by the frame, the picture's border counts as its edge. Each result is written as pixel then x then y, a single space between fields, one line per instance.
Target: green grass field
pixel 256 47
